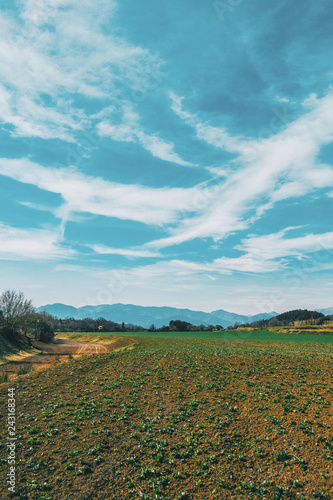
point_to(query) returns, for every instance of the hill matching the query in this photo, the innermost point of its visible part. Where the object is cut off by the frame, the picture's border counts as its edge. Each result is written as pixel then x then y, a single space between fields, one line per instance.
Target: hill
pixel 146 316
pixel 293 317
pixel 298 315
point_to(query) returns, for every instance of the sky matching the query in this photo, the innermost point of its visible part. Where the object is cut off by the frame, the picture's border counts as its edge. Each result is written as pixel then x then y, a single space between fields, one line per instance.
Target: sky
pixel 167 153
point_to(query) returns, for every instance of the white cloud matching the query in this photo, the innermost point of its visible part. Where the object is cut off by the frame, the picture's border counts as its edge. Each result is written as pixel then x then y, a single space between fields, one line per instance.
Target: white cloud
pixel 270 253
pixel 60 48
pixel 160 149
pixel 30 243
pixel 311 101
pixel 245 264
pixel 128 129
pixel 262 255
pixel 284 165
pixel 282 99
pixel 36 206
pixel 274 246
pixel 126 252
pixel 215 136
pixel 33 119
pixel 87 194
pixel 189 284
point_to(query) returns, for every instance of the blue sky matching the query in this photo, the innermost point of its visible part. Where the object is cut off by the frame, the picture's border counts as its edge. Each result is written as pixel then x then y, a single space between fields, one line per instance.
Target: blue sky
pixel 171 153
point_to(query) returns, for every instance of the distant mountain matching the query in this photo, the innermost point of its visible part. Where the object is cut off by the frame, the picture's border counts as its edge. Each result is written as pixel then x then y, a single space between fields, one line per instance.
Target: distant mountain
pixel 146 316
pixel 327 311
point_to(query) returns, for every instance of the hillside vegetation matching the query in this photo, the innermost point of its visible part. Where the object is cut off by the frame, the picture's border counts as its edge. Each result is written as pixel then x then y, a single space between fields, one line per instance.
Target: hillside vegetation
pixel 20 323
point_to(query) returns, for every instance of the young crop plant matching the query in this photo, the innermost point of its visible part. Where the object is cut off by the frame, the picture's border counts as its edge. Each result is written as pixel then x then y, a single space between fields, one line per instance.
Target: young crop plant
pixel 176 434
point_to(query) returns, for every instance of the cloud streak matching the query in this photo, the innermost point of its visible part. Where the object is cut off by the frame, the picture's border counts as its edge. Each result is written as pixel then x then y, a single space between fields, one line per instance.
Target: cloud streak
pixel 32 244
pixel 128 129
pixel 93 195
pixel 215 136
pixel 284 166
pixel 126 252
pixel 76 60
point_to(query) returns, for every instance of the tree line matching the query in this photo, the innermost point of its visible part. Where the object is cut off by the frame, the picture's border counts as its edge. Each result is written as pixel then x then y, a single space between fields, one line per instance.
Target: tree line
pixel 104 325
pixel 92 325
pixel 18 318
pixel 290 318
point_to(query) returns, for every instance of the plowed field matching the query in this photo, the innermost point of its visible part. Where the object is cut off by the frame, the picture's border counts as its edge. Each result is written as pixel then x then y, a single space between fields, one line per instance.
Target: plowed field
pixel 177 419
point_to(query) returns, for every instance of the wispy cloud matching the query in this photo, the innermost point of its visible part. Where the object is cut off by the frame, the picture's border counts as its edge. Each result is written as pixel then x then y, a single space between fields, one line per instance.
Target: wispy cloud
pixel 94 195
pixel 128 129
pixel 57 61
pixel 262 255
pixel 127 160
pixel 285 165
pixel 215 136
pixel 275 246
pixel 126 252
pixel 32 244
pixel 272 252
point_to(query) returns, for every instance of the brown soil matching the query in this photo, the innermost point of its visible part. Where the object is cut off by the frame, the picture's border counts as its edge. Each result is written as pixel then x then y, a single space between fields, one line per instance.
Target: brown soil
pixel 60 351
pixel 177 420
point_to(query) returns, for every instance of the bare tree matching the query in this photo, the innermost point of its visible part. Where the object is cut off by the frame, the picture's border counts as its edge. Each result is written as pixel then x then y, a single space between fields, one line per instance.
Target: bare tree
pixel 14 309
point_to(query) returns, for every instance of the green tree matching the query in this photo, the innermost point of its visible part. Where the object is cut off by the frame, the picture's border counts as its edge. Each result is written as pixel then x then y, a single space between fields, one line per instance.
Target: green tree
pixel 40 326
pixel 180 326
pixel 44 328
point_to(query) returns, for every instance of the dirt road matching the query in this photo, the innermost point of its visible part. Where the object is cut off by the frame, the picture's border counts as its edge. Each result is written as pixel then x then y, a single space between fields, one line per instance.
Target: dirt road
pixel 66 347
pixel 62 350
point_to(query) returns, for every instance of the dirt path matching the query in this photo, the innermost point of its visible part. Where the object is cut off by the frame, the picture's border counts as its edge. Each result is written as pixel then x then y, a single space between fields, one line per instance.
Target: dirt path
pixel 62 350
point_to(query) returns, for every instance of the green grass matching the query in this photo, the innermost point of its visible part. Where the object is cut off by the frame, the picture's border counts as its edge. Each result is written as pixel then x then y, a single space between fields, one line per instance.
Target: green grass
pixel 8 347
pixel 239 335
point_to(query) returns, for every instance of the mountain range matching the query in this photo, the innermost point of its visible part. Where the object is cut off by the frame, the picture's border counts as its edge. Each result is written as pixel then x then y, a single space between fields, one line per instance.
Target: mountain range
pixel 146 316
